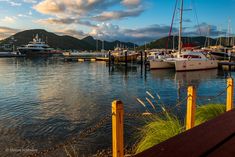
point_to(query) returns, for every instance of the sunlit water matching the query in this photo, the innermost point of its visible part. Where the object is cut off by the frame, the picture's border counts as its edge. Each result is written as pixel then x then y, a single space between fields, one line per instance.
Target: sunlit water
pixel 44 103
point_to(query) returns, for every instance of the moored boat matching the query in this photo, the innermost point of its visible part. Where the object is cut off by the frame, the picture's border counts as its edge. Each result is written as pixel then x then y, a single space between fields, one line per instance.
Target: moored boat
pixel 36 48
pixel 195 61
pixel 123 55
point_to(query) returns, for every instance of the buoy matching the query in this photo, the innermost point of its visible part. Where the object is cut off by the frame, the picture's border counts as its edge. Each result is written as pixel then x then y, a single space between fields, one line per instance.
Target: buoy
pixel 81 60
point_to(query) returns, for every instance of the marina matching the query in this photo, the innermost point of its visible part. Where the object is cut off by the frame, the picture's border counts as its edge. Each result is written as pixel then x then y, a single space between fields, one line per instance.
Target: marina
pixel 108 78
pixel 50 100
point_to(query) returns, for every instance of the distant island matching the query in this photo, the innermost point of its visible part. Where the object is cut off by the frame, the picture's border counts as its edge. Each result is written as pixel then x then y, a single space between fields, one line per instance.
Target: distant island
pixel 64 42
pixel 199 41
pixel 88 43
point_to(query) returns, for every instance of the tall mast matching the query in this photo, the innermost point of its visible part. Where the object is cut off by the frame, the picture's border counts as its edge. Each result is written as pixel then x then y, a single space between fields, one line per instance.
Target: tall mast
pixel 209 30
pixel 180 30
pixel 220 40
pixel 229 32
pixel 103 45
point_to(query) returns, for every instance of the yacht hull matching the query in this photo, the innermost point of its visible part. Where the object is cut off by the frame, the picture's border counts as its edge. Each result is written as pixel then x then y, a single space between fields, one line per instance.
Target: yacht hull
pixel 160 64
pixel 187 65
pixel 35 53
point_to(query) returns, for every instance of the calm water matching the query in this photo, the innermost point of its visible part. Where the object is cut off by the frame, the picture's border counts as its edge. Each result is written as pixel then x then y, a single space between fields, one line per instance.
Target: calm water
pixel 44 103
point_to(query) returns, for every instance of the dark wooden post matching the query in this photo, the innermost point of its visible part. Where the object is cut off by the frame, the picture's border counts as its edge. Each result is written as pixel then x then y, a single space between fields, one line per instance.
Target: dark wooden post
pixel 126 58
pixel 141 57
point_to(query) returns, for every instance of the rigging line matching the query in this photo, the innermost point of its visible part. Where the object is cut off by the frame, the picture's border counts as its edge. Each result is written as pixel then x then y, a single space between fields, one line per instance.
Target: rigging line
pixel 195 14
pixel 172 22
pixel 209 98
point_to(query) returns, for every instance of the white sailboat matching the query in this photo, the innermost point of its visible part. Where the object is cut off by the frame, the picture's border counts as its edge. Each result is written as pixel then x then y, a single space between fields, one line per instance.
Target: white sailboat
pixel 190 60
pixel 195 61
pixel 167 62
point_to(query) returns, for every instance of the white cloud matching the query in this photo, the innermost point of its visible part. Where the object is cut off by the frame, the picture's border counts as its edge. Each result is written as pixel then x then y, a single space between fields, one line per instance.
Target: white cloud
pixel 113 15
pixel 30 1
pixel 8 19
pixel 108 31
pixel 131 3
pixel 6 32
pixel 89 8
pixel 15 4
pixel 30 13
pixel 12 3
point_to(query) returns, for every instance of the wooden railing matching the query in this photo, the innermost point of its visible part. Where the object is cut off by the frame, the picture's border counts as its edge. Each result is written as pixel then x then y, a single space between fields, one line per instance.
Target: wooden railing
pixel 118 116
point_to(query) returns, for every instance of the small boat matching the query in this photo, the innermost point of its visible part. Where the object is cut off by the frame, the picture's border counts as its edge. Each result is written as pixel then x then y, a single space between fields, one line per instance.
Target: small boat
pixel 123 55
pixel 10 54
pixel 36 48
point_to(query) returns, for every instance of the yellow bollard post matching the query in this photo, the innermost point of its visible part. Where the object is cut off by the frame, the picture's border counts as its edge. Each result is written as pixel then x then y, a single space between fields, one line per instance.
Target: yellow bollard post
pixel 191 107
pixel 117 128
pixel 229 101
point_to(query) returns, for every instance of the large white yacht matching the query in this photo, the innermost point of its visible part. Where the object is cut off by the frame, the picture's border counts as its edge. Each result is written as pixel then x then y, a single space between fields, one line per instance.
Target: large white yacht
pixel 36 48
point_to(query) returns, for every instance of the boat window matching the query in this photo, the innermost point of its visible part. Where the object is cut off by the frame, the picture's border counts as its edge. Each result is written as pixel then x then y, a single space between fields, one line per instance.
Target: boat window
pixel 191 56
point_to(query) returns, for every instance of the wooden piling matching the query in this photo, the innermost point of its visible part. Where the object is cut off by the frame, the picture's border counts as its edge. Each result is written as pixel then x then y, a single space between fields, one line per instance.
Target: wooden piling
pixel 191 108
pixel 229 101
pixel 126 58
pixel 141 59
pixel 145 56
pixel 109 57
pixel 117 128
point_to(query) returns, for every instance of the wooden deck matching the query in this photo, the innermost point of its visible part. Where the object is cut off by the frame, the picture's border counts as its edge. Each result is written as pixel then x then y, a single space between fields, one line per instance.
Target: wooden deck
pixel 215 138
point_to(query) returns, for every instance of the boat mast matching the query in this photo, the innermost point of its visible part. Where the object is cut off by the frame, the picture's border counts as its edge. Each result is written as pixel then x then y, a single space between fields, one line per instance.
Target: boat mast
pixel 180 30
pixel 229 32
pixel 220 40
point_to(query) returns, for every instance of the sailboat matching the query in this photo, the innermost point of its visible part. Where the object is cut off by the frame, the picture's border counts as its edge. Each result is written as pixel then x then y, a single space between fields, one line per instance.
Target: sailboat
pixel 190 60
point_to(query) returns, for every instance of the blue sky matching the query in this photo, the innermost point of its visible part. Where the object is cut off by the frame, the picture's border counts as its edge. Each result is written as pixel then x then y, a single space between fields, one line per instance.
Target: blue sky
pixel 130 20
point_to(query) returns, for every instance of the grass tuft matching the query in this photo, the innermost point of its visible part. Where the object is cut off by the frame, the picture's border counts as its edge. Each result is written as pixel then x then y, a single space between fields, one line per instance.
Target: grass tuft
pixel 208 112
pixel 158 130
pixel 162 128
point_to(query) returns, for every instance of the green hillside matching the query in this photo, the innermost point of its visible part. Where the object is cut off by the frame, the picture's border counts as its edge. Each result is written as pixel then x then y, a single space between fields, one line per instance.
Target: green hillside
pixel 61 42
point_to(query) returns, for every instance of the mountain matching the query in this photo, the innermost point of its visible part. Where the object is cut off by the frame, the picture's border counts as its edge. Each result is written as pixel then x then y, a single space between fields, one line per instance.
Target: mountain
pixel 64 42
pixel 107 45
pixel 199 41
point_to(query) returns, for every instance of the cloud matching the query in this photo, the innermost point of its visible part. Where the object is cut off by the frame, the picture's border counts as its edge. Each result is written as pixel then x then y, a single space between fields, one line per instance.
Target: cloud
pixel 50 7
pixel 30 1
pixel 131 3
pixel 8 19
pixel 90 9
pixel 106 16
pixel 7 31
pixel 12 3
pixel 108 31
pixel 204 29
pixel 73 7
pixel 65 21
pixel 73 33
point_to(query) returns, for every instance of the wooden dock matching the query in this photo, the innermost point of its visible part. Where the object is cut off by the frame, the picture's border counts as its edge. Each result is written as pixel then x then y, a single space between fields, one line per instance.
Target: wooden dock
pixel 215 138
pixel 226 63
pixel 82 59
pixel 10 55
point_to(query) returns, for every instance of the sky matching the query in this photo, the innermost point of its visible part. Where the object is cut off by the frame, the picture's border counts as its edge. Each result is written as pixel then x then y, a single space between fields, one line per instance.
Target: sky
pixel 136 21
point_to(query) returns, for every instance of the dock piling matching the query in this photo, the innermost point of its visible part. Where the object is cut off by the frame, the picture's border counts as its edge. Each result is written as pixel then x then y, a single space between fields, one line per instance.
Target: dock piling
pixel 126 58
pixel 117 128
pixel 229 101
pixel 191 108
pixel 141 57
